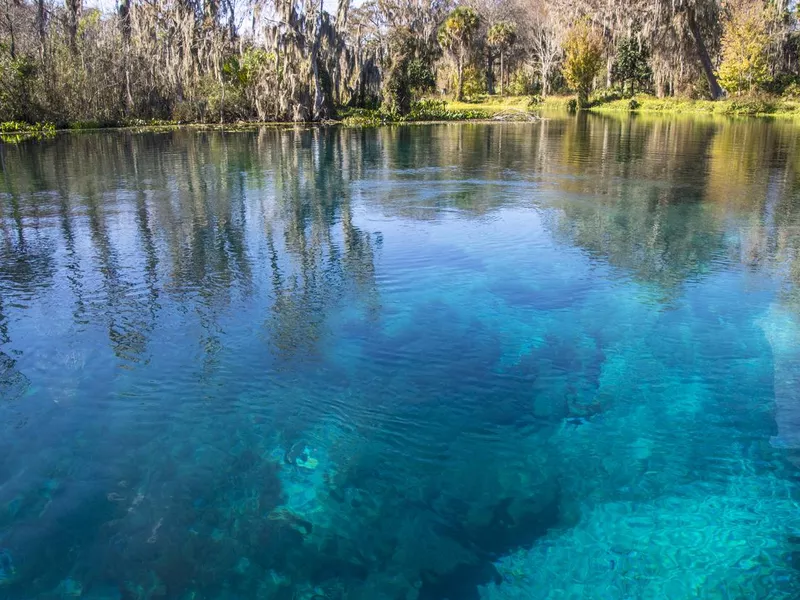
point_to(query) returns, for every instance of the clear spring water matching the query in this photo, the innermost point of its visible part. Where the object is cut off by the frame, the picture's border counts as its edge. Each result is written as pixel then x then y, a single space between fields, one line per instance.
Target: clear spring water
pixel 551 360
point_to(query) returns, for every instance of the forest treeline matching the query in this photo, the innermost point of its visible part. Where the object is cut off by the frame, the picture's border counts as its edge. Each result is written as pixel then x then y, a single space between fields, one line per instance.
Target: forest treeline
pixel 297 60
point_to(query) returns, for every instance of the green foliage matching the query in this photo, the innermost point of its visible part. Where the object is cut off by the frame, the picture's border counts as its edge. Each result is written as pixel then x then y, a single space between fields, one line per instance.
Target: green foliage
pixel 420 77
pixel 792 90
pixel 363 117
pixel 474 82
pixel 604 96
pixel 631 66
pixel 535 101
pixel 520 83
pixel 755 104
pixel 745 43
pixel 422 110
pixel 15 132
pixel 502 35
pixel 16 95
pixel 459 28
pixel 243 70
pixel 397 88
pixel 20 127
pixel 583 59
pixel 436 110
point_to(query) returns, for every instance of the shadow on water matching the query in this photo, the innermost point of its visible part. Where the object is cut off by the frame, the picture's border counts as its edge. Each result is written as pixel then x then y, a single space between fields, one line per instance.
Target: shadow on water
pixel 335 363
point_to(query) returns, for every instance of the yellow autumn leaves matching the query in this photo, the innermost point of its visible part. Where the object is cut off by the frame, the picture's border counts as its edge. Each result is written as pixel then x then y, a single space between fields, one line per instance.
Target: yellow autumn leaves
pixel 745 46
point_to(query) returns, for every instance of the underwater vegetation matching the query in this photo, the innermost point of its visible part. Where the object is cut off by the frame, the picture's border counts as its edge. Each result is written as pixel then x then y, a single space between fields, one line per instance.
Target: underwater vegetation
pixel 546 360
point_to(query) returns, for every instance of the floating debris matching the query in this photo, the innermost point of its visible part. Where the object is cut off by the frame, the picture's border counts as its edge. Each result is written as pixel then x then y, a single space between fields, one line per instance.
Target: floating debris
pixel 515 114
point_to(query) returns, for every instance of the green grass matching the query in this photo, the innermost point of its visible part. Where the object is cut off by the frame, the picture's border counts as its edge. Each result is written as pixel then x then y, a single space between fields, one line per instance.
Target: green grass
pixel 758 105
pixel 491 105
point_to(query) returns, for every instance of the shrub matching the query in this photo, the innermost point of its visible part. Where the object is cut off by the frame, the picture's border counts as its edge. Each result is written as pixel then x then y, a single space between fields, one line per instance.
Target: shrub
pixel 756 104
pixel 534 101
pixel 436 110
pixel 792 90
pixel 604 96
pixel 364 117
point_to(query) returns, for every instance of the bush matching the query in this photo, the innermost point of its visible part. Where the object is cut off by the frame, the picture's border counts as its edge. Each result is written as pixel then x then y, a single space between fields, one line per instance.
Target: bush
pixel 534 101
pixel 436 110
pixel 474 82
pixel 791 90
pixel 520 84
pixel 16 94
pixel 572 105
pixel 604 96
pixel 420 77
pixel 756 104
pixel 364 117
pixel 14 132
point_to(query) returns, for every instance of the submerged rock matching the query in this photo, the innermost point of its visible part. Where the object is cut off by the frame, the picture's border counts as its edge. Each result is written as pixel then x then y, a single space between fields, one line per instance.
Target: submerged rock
pixel 783 334
pixel 7 570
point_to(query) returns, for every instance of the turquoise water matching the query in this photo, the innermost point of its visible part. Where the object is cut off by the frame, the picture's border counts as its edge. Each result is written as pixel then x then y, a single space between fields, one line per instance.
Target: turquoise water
pixel 550 360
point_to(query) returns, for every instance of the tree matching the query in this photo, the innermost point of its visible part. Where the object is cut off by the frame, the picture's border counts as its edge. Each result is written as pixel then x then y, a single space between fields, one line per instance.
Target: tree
pixel 681 33
pixel 502 36
pixel 745 44
pixel 456 36
pixel 397 85
pixel 631 66
pixel 74 10
pixel 583 58
pixel 546 42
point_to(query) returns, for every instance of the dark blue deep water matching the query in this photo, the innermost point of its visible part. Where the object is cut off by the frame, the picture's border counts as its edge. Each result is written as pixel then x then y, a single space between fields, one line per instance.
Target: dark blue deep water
pixel 557 360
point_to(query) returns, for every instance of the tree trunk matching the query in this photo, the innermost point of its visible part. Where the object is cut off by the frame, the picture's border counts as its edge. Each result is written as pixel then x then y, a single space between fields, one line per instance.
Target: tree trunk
pixel 583 98
pixel 545 81
pixel 490 72
pixel 74 10
pixel 41 15
pixel 705 60
pixel 10 21
pixel 460 79
pixel 502 70
pixel 125 22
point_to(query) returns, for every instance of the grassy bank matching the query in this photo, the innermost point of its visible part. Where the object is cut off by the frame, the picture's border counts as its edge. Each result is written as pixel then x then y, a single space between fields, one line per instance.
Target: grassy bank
pixel 434 110
pixel 14 131
pixel 754 106
pixel 751 106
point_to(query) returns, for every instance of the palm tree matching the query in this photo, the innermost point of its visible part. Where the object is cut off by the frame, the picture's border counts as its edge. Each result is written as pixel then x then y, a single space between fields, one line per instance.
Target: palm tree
pixel 455 36
pixel 502 36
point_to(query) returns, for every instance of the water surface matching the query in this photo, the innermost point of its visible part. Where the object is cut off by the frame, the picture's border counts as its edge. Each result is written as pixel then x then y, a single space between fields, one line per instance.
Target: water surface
pixel 549 360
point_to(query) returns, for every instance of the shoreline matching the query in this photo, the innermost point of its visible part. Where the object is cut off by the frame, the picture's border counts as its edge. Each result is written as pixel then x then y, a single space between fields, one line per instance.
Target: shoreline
pixel 517 109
